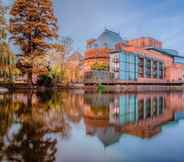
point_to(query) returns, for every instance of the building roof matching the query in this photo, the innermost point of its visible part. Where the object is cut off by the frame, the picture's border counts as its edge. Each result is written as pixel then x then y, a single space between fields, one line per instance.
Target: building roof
pixel 169 52
pixel 108 39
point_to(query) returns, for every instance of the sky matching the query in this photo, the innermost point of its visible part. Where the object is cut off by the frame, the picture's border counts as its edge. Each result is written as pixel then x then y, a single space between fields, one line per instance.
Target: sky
pixel 85 19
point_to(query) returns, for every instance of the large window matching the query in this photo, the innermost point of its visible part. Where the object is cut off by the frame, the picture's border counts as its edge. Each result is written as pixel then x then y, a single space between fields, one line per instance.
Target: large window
pixel 141 66
pixel 161 71
pixel 128 67
pixel 155 69
pixel 128 106
pixel 148 67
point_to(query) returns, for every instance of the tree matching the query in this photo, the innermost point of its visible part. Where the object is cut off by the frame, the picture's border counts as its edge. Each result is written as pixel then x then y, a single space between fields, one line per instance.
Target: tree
pixel 67 43
pixel 7 58
pixel 33 26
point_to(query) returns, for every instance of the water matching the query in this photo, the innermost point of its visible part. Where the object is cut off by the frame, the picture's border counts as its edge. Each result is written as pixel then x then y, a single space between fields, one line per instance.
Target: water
pixel 71 126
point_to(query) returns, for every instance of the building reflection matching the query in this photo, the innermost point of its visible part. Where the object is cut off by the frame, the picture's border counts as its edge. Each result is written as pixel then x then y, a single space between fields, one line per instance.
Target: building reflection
pixel 140 115
pixel 27 120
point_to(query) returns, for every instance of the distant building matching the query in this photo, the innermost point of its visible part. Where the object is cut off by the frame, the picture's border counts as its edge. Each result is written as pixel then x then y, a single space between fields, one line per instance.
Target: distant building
pixel 144 42
pixel 146 64
pixel 97 50
pixel 143 59
pixel 140 115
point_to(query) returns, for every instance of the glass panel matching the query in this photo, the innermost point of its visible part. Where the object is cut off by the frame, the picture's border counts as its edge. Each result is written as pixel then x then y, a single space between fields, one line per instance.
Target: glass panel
pixel 155 69
pixel 148 107
pixel 123 58
pixel 148 68
pixel 141 66
pixel 132 68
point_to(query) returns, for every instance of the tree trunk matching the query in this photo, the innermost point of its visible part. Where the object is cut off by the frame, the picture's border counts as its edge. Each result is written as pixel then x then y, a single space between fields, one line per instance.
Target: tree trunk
pixel 30 82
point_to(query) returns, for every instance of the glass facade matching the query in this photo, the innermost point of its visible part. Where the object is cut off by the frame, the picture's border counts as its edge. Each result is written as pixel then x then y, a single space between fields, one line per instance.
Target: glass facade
pixel 150 107
pixel 133 66
pixel 132 109
pixel 128 66
pixel 128 106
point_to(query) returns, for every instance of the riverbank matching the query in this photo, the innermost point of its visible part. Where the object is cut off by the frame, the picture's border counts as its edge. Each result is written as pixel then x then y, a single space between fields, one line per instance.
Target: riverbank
pixel 96 87
pixel 133 86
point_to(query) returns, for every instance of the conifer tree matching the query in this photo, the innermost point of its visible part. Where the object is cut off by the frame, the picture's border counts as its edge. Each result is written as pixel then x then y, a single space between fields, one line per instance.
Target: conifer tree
pixel 33 26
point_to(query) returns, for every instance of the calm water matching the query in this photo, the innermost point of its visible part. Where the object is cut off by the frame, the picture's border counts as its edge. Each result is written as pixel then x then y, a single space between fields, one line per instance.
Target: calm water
pixel 71 126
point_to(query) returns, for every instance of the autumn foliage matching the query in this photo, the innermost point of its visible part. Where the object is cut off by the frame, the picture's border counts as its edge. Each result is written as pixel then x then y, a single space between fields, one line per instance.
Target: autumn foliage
pixel 32 25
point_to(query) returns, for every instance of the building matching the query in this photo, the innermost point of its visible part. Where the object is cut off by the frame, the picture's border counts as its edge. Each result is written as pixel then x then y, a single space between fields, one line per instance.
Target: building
pixel 142 60
pixel 146 64
pixel 141 115
pixel 97 50
pixel 145 42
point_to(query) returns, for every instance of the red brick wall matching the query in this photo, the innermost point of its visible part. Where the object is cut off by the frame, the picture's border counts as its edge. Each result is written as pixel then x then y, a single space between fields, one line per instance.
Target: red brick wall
pixel 145 42
pixel 92 56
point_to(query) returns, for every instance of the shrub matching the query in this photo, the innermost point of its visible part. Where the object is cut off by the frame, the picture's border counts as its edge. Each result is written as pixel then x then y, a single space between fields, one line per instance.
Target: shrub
pixel 45 80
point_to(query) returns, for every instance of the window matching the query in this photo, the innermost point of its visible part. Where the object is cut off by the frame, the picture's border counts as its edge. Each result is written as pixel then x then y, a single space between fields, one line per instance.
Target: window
pixel 161 104
pixel 128 67
pixel 148 68
pixel 161 71
pixel 155 69
pixel 148 107
pixel 154 107
pixel 141 66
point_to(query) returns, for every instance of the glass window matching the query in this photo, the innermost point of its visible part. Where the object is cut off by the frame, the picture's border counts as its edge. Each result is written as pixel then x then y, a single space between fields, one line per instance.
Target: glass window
pixel 155 69
pixel 161 70
pixel 148 68
pixel 132 68
pixel 148 107
pixel 131 75
pixel 141 66
pixel 123 58
pixel 131 59
pixel 154 107
pixel 161 104
pixel 128 69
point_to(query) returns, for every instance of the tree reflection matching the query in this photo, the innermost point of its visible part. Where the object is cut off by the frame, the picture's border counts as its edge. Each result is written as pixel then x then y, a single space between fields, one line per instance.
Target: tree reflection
pixel 25 126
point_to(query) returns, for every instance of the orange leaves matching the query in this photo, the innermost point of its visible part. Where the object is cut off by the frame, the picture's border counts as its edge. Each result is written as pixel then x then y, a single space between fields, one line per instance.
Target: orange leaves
pixel 32 24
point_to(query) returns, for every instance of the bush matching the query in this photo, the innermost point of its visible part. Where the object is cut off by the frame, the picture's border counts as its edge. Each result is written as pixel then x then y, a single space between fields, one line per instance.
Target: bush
pixel 45 80
pixel 101 88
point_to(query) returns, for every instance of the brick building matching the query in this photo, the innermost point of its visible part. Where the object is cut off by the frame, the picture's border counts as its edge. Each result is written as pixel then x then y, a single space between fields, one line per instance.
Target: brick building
pixel 146 64
pixel 143 59
pixel 97 50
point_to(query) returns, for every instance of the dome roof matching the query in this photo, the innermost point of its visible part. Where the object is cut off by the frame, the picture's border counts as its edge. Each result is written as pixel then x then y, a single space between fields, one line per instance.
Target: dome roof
pixel 108 39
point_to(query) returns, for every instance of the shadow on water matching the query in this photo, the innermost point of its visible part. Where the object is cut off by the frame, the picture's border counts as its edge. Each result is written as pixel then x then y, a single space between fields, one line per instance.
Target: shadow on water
pixel 31 123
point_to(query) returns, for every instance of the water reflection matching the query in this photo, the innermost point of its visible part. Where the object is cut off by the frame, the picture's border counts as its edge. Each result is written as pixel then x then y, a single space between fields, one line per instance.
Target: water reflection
pixel 31 123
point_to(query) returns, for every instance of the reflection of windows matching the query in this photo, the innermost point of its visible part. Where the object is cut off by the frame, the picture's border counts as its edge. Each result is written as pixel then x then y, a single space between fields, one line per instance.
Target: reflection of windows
pixel 140 109
pixel 148 107
pixel 155 105
pixel 128 105
pixel 161 104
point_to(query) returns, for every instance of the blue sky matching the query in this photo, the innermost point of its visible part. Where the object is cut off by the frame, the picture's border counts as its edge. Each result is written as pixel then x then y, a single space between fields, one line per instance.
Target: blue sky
pixel 84 19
